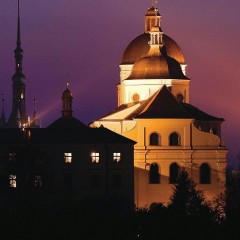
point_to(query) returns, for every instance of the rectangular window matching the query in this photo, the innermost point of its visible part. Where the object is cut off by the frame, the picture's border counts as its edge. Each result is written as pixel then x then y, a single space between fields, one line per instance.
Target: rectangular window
pixel 12 157
pixel 38 182
pixel 12 181
pixel 67 158
pixel 68 181
pixel 116 157
pixel 96 181
pixel 116 180
pixel 95 157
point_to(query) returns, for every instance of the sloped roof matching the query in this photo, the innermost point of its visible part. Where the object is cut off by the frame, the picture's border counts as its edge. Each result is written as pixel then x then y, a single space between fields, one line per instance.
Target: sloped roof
pixel 67 122
pixel 164 105
pixel 62 136
pixel 199 114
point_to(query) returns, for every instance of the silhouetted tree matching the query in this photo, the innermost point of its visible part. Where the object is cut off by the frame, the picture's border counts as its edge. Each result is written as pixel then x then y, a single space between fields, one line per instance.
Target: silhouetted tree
pixel 188 207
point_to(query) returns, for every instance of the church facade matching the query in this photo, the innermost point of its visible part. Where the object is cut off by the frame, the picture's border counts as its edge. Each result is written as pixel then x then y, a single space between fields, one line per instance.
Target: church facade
pixel 154 110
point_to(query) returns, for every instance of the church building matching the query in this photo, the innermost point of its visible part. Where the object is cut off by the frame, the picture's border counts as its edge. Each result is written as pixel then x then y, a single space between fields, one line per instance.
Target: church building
pixel 154 110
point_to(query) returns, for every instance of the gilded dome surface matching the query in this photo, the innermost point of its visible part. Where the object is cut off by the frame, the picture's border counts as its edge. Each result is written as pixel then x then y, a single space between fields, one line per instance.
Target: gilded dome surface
pixel 139 47
pixel 156 67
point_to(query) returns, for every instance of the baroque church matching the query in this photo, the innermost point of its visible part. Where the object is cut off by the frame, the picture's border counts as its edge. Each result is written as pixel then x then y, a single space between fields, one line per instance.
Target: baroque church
pixel 137 149
pixel 154 110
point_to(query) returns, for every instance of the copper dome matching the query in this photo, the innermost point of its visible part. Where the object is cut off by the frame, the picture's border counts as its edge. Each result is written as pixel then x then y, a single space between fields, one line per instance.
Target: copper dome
pixel 139 47
pixel 156 67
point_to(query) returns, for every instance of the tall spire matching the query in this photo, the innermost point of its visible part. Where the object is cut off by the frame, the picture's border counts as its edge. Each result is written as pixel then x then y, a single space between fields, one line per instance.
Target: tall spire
pixel 18 51
pixel 18 83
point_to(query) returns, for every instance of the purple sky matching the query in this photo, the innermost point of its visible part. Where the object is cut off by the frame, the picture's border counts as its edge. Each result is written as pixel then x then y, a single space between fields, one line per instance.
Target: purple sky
pixel 86 40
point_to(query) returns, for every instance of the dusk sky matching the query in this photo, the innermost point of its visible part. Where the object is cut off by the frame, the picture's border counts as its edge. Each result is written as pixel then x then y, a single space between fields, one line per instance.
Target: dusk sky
pixel 86 39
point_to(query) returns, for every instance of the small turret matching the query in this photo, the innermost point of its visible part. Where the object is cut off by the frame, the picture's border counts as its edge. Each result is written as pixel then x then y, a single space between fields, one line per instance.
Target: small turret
pixel 67 103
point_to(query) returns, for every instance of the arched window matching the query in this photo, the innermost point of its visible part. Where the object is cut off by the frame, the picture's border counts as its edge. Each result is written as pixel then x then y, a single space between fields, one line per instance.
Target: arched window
pixel 174 139
pixel 173 173
pixel 154 176
pixel 154 139
pixel 205 174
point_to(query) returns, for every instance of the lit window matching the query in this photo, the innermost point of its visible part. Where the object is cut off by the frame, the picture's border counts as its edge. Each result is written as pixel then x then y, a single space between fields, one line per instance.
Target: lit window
pixel 95 157
pixel 12 181
pixel 68 158
pixel 12 157
pixel 38 181
pixel 116 157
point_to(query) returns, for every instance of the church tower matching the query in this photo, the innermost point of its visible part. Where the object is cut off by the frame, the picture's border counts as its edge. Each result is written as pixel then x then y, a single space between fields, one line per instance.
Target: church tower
pixel 18 116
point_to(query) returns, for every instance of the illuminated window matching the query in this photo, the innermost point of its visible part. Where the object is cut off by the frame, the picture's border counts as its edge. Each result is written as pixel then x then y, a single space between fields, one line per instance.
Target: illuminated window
pixel 205 174
pixel 174 172
pixel 95 157
pixel 12 181
pixel 174 139
pixel 116 180
pixel 96 181
pixel 38 182
pixel 154 176
pixel 12 157
pixel 116 157
pixel 154 139
pixel 68 158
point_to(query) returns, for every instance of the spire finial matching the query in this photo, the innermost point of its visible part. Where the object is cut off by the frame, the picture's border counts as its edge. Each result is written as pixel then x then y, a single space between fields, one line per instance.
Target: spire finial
pixel 67 84
pixel 154 2
pixel 18 29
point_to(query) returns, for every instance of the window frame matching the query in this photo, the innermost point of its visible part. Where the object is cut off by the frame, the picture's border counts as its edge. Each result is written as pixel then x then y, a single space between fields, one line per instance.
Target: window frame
pixel 95 157
pixel 67 157
pixel 172 140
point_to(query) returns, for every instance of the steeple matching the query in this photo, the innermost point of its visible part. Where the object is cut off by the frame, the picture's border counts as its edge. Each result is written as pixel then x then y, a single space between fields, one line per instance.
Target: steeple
pixel 18 85
pixel 67 103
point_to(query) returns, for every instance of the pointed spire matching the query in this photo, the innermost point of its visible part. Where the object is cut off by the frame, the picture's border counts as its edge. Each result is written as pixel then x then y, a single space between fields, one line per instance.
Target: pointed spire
pixel 18 51
pixel 18 29
pixel 18 112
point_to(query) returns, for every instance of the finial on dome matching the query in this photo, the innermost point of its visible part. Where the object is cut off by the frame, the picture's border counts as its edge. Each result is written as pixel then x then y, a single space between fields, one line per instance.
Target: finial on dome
pixel 154 2
pixel 67 85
